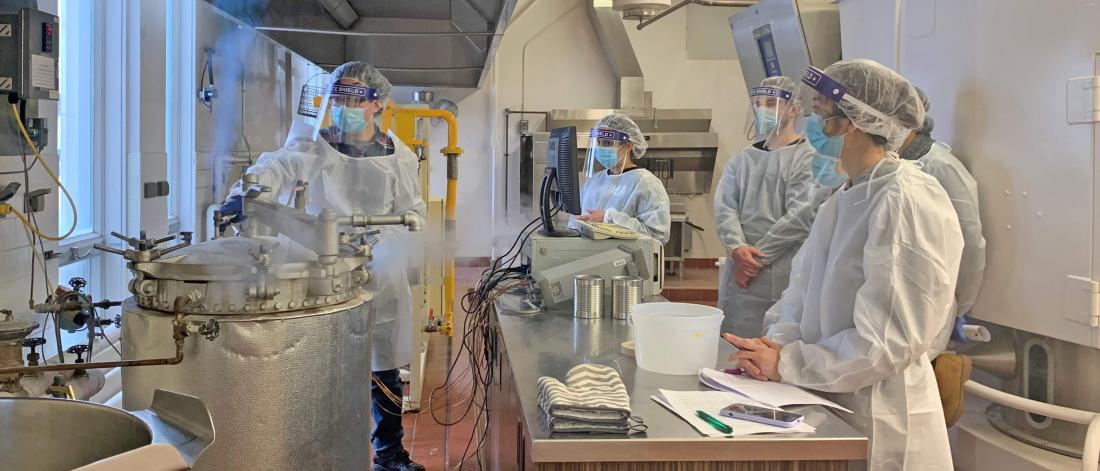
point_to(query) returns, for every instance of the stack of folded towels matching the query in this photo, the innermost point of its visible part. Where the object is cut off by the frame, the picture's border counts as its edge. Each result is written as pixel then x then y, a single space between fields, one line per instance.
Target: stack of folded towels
pixel 593 399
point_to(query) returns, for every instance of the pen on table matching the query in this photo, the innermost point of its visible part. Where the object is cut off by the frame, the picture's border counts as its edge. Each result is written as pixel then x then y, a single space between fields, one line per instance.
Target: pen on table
pixel 734 371
pixel 717 424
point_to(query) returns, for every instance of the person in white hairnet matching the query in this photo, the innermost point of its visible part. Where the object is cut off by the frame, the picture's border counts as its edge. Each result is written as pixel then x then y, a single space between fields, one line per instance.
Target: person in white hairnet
pixel 763 206
pixel 351 166
pixel 873 285
pixel 617 190
pixel 938 161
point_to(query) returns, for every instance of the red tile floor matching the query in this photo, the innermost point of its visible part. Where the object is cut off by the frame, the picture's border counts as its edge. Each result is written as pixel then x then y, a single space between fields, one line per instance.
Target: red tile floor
pixel 425 438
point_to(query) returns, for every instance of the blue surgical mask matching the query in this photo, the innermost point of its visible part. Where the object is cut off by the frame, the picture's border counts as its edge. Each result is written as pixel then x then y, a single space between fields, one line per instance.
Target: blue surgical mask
pixel 766 120
pixel 350 120
pixel 824 144
pixel 606 156
pixel 825 170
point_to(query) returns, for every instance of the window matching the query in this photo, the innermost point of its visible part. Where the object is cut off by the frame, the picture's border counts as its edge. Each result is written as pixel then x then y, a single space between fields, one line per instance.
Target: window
pixel 76 163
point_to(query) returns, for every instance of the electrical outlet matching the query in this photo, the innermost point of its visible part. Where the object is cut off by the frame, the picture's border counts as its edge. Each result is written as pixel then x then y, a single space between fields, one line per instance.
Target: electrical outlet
pixel 523 126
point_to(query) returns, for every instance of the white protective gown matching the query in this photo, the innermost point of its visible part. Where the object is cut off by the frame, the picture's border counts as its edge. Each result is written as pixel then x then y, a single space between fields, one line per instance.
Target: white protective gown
pixel 871 289
pixel 635 199
pixel 383 185
pixel 963 191
pixel 764 199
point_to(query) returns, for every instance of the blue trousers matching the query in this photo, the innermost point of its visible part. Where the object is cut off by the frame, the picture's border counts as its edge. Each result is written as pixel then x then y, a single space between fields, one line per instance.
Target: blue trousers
pixel 387 432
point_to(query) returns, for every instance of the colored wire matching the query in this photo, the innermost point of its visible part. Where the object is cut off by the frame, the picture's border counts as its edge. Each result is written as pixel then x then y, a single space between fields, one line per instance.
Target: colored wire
pixel 38 157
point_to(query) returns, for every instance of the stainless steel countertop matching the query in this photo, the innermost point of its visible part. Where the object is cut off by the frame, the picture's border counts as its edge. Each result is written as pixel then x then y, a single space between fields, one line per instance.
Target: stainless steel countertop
pixel 549 343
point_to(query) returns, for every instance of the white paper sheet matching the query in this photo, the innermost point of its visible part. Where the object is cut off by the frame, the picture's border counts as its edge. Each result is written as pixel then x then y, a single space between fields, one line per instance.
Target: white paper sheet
pixel 685 403
pixel 770 393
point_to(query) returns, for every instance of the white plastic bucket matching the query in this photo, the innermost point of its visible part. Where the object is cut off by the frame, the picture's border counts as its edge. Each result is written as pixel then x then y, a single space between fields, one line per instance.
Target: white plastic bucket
pixel 676 338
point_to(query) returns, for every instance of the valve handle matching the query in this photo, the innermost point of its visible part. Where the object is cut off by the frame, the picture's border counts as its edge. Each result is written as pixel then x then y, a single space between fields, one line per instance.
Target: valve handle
pixel 79 350
pixel 78 283
pixel 33 342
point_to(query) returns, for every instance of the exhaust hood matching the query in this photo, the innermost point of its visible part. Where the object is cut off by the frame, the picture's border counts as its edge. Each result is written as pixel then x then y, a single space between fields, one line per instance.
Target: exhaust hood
pixel 414 43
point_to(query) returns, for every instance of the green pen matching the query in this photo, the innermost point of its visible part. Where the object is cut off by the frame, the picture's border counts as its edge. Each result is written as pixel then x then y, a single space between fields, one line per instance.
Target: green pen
pixel 717 424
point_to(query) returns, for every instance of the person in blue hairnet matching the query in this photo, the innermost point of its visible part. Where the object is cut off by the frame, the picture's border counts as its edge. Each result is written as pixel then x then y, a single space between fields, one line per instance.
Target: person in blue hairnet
pixel 937 160
pixel 353 167
pixel 873 286
pixel 617 190
pixel 763 206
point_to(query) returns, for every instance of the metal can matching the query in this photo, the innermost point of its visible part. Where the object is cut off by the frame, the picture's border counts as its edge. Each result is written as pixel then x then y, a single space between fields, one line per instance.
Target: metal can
pixel 626 291
pixel 588 296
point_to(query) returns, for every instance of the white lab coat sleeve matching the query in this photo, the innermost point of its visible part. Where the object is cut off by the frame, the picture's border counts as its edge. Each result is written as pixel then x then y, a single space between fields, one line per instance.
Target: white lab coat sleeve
pixel 727 205
pixel 654 217
pixel 276 170
pixel 963 191
pixel 910 261
pixel 782 321
pixel 792 227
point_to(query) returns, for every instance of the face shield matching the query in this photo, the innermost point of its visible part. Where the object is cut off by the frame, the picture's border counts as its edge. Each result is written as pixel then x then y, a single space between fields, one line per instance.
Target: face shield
pixel 347 115
pixel 772 112
pixel 607 149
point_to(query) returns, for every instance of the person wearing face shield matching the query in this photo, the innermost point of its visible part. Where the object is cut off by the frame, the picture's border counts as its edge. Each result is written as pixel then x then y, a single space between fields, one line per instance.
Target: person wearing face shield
pixel 764 205
pixel 617 190
pixel 873 285
pixel 938 161
pixel 351 166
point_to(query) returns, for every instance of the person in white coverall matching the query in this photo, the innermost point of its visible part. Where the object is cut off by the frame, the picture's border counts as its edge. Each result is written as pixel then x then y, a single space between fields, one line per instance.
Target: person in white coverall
pixel 937 160
pixel 873 286
pixel 617 190
pixel 762 207
pixel 353 167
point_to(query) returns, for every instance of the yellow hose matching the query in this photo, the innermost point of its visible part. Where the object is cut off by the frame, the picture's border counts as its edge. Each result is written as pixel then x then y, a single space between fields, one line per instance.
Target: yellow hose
pixel 72 204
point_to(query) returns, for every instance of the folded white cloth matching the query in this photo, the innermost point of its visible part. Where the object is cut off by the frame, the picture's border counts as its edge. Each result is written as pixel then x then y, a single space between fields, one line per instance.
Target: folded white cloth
pixel 592 399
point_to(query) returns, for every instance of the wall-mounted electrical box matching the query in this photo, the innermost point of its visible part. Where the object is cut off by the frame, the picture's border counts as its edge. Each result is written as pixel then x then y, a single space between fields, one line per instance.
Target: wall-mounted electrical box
pixel 29 43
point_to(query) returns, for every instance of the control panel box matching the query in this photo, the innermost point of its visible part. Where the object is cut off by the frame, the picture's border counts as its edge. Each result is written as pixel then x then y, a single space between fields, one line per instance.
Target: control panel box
pixel 29 45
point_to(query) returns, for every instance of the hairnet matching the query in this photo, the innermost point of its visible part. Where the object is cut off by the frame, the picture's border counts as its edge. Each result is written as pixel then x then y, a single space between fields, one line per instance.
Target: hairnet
pixel 884 91
pixel 366 74
pixel 929 124
pixel 622 123
pixel 786 84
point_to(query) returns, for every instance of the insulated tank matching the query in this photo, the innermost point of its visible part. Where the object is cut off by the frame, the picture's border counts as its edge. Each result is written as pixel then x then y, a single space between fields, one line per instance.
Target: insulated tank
pixel 279 351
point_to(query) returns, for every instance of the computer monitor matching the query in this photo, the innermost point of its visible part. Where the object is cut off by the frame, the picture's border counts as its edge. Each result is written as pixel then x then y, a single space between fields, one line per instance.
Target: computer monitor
pixel 561 182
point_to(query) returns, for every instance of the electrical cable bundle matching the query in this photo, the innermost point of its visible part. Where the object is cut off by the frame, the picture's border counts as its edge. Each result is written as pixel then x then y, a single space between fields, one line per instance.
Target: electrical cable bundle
pixel 478 345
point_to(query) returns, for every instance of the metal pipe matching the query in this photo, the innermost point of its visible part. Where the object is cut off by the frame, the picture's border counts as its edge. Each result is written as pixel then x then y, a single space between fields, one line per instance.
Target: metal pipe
pixel 705 3
pixel 1090 454
pixel 377 33
pixel 1028 405
pixel 179 333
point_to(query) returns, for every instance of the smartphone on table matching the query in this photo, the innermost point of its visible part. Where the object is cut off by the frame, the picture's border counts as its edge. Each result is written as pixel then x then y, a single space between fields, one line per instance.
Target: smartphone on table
pixel 763 415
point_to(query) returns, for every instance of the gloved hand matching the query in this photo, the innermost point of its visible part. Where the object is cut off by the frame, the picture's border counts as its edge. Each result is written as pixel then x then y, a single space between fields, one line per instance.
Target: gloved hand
pixel 231 211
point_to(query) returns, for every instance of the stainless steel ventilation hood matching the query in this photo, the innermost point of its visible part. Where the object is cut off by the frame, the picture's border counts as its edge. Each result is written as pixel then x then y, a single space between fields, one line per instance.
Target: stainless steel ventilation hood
pixel 415 43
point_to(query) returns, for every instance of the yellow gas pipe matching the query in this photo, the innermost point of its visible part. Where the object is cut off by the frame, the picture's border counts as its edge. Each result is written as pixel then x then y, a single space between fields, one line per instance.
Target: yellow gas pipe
pixel 403 120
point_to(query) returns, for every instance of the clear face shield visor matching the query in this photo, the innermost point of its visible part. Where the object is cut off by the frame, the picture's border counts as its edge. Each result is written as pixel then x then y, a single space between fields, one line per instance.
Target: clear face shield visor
pixel 346 113
pixel 607 149
pixel 772 113
pixel 828 95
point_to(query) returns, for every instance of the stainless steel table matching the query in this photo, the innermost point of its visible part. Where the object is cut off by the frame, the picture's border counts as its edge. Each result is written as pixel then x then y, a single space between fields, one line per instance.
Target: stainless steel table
pixel 549 343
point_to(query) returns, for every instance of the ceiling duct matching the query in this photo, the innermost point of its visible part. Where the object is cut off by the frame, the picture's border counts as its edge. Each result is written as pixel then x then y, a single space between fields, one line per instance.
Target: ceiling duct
pixel 423 43
pixel 611 31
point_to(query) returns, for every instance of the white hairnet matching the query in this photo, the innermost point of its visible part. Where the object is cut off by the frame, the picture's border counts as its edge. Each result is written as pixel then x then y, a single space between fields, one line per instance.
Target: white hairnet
pixel 786 84
pixel 366 74
pixel 882 89
pixel 926 127
pixel 622 123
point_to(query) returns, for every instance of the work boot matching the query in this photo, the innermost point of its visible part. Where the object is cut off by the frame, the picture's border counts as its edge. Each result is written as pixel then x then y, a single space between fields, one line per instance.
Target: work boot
pixel 952 371
pixel 398 461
